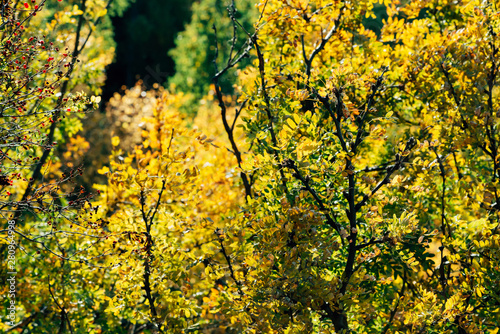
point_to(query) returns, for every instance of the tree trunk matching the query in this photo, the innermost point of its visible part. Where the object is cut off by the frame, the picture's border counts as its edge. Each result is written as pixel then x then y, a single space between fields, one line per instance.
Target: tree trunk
pixel 338 318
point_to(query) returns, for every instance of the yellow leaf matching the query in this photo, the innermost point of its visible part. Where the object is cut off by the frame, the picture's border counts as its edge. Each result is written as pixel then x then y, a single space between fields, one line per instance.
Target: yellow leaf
pixel 296 118
pixel 103 170
pixel 291 123
pixel 102 12
pixel 115 141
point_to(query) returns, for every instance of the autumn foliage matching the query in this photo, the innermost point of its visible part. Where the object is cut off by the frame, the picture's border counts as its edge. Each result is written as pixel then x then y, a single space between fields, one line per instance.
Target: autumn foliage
pixel 347 181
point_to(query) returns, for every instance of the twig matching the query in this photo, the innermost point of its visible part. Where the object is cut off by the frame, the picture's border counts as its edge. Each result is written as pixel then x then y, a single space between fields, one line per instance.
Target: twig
pixel 319 48
pixel 289 163
pixel 400 160
pixel 371 242
pixel 230 129
pixel 368 105
pixel 64 314
pixel 50 137
pixel 148 258
pixel 220 238
pixel 394 311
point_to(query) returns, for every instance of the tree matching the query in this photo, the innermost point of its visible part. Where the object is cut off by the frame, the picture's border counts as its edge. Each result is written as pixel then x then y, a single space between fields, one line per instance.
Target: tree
pixel 360 147
pixel 359 152
pixel 163 201
pixel 350 186
pixel 192 74
pixel 48 57
pixel 144 34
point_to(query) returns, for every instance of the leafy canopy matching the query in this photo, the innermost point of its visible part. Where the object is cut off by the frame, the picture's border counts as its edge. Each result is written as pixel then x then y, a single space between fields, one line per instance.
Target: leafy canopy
pixel 346 183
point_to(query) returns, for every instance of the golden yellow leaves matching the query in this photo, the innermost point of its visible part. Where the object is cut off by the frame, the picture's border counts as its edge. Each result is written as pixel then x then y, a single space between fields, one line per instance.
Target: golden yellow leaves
pixel 199 180
pixel 76 149
pixel 405 224
pixel 115 141
pixel 104 170
pixel 392 29
pixel 300 95
pixel 279 239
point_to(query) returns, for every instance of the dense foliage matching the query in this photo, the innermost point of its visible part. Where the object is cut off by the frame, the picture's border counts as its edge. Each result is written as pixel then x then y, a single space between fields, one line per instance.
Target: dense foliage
pixel 52 56
pixel 347 181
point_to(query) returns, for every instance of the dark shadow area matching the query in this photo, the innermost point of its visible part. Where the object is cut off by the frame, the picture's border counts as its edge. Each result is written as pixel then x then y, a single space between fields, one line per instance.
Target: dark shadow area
pixel 144 35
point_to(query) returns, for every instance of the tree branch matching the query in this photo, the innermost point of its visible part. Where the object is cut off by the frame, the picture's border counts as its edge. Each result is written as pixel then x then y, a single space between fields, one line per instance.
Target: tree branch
pixel 320 47
pixel 289 163
pixel 218 92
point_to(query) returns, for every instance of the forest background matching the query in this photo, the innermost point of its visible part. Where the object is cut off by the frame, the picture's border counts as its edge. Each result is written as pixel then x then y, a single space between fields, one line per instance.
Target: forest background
pixel 282 166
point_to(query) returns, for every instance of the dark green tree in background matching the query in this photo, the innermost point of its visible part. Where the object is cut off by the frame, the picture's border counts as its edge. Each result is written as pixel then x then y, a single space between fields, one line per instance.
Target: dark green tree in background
pixel 172 42
pixel 195 46
pixel 144 34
